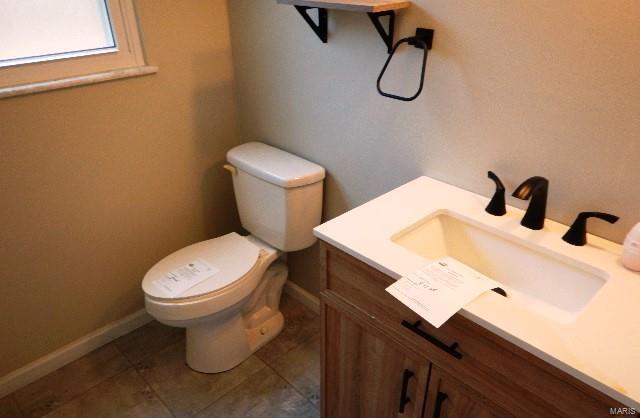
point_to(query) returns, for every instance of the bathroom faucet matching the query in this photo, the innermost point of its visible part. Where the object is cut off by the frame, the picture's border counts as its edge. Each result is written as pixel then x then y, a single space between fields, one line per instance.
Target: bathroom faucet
pixel 536 189
pixel 577 234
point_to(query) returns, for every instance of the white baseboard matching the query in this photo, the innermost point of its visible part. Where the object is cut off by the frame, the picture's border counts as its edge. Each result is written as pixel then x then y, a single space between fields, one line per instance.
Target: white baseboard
pixel 70 352
pixel 298 293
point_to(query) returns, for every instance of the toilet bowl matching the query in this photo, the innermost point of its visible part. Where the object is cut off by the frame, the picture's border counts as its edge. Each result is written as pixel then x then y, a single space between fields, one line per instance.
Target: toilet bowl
pixel 234 312
pixel 226 291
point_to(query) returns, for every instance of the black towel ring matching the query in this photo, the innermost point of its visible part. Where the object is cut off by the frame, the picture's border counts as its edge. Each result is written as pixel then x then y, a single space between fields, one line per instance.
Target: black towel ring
pixel 422 40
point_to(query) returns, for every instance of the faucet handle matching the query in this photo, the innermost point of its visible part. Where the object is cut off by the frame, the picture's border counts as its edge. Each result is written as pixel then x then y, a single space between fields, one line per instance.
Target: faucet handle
pixel 577 234
pixel 497 205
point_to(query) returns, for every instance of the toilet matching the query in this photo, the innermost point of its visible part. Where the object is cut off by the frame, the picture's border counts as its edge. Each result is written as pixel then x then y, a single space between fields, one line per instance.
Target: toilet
pixel 226 291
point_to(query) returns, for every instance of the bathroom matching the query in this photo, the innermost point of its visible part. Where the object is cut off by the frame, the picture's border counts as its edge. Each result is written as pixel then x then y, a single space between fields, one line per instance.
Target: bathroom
pixel 102 179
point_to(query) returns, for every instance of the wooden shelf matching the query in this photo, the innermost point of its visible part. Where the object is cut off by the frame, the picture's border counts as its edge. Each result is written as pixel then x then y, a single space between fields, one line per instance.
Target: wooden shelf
pixel 369 6
pixel 375 9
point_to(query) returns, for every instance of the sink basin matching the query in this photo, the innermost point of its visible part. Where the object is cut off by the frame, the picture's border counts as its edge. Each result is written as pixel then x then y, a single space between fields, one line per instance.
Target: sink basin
pixel 549 284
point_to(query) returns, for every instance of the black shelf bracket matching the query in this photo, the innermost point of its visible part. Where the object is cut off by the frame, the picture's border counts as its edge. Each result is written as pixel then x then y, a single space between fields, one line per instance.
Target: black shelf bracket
pixel 320 28
pixel 385 34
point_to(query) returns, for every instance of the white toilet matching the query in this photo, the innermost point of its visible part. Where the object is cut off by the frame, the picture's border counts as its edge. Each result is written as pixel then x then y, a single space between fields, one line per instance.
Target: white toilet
pixel 226 291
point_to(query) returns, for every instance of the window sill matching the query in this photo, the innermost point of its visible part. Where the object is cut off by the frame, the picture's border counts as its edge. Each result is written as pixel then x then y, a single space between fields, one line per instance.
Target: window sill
pixel 31 88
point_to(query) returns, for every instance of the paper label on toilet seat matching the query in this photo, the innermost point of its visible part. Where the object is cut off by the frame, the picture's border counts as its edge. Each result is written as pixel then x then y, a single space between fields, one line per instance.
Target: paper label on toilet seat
pixel 183 278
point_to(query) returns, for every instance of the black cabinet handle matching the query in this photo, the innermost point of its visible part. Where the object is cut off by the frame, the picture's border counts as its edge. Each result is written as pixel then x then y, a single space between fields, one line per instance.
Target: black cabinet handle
pixel 450 349
pixel 440 398
pixel 404 399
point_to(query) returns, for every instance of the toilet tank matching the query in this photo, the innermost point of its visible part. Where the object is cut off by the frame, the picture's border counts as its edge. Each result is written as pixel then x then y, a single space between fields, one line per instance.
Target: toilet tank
pixel 279 195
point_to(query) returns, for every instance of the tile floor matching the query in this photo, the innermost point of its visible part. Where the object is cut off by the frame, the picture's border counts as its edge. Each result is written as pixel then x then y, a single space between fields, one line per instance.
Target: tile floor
pixel 143 374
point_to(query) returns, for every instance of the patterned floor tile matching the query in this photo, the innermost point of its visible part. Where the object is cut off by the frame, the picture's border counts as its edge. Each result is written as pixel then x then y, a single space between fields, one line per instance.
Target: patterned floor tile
pixel 59 387
pixel 147 340
pixel 186 391
pixel 264 395
pixel 300 326
pixel 123 396
pixel 301 368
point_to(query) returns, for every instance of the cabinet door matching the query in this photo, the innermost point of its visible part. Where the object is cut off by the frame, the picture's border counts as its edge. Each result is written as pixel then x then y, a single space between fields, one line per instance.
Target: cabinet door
pixel 365 376
pixel 449 398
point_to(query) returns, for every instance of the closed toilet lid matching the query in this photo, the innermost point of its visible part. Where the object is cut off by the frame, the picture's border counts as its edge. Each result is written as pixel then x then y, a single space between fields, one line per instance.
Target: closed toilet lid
pixel 201 268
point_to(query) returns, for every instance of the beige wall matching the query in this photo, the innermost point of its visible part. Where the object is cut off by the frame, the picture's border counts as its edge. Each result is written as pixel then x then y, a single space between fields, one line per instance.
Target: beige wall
pixel 521 87
pixel 100 182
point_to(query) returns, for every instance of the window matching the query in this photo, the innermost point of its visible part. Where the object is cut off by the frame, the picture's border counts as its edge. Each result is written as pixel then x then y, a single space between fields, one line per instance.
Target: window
pixel 55 43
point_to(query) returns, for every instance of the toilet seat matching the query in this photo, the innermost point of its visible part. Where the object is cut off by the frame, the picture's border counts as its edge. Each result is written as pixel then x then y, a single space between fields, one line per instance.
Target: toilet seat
pixel 230 256
pixel 242 262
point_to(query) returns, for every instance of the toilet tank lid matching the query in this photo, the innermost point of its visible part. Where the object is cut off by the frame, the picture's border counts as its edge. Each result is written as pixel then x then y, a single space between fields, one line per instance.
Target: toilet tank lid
pixel 275 165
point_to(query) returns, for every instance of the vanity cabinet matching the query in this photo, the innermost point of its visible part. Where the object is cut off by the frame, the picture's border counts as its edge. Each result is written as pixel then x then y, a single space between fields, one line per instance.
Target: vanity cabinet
pixel 369 376
pixel 458 370
pixel 449 398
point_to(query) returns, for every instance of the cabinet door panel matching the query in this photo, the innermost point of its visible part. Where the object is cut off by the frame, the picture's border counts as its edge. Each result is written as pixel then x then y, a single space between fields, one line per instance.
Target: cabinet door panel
pixel 449 398
pixel 365 376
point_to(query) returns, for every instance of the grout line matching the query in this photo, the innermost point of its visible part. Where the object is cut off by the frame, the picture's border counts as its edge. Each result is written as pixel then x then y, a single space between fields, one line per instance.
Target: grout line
pixel 150 353
pixel 118 350
pixel 147 382
pixel 157 395
pixel 293 387
pixel 77 395
pixel 131 363
pixel 284 378
pixel 267 362
pixel 295 346
pixel 289 350
pixel 234 387
pixel 87 390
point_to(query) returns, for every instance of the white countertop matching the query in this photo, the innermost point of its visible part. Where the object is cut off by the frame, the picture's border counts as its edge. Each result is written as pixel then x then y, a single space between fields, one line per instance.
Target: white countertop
pixel 601 347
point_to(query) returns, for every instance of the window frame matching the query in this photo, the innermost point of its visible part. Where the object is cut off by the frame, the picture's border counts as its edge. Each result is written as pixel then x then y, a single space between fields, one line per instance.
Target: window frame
pixel 128 60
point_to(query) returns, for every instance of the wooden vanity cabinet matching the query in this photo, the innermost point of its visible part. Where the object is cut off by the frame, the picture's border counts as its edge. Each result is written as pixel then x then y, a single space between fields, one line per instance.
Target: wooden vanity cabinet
pixel 369 376
pixel 370 339
pixel 449 398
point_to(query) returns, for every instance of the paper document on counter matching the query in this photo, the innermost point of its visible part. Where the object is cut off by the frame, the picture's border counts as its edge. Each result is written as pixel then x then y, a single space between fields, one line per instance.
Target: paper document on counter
pixel 438 290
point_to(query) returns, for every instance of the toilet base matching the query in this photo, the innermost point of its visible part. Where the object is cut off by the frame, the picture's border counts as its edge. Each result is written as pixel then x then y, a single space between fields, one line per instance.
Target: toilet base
pixel 218 344
pixel 222 341
pixel 206 354
pixel 261 335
